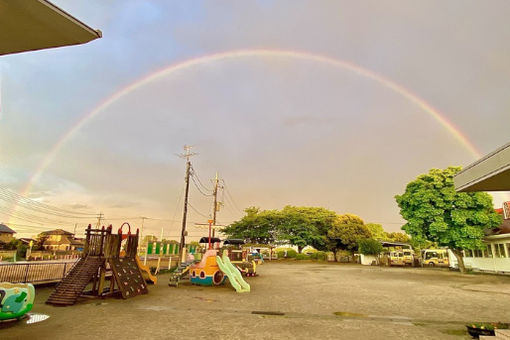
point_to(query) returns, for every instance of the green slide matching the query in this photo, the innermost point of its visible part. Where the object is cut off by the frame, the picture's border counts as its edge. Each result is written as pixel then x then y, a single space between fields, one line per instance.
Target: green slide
pixel 234 275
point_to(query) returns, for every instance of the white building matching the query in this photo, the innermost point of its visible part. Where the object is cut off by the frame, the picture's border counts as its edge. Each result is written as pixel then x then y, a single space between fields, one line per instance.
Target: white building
pixel 490 173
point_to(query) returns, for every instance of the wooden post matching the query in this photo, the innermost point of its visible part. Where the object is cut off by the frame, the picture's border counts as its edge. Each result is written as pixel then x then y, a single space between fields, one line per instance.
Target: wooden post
pixel 101 281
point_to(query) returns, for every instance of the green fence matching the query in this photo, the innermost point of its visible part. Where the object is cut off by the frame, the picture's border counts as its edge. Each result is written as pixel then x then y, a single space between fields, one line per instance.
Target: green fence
pixel 157 248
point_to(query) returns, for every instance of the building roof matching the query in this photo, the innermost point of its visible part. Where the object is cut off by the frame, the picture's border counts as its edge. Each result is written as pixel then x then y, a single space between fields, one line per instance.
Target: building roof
pixel 56 232
pixel 77 241
pixel 504 228
pixel 489 173
pixel 5 229
pixel 30 25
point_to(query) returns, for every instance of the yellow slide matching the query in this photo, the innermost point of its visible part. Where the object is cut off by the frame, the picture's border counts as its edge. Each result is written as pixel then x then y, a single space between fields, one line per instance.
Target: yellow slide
pixel 146 272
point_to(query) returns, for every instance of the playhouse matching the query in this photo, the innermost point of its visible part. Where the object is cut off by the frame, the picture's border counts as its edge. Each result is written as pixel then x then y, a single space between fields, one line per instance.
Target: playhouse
pixel 102 265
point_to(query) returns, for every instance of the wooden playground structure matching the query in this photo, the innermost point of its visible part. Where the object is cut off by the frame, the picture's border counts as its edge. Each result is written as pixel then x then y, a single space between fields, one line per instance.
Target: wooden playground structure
pixel 104 267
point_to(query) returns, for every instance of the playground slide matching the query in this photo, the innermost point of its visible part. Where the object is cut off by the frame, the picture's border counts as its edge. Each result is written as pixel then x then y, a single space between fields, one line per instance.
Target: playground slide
pixel 233 274
pixel 146 272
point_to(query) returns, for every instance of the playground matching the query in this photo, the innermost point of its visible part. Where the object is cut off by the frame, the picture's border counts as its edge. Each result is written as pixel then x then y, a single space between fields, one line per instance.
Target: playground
pixel 287 300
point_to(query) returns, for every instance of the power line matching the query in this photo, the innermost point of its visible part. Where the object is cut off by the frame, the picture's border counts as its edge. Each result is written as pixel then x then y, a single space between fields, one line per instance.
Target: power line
pixel 198 212
pixel 229 196
pixel 198 188
pixel 12 196
pixel 194 173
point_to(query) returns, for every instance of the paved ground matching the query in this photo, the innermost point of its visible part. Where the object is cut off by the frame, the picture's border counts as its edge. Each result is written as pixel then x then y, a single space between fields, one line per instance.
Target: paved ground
pixel 369 302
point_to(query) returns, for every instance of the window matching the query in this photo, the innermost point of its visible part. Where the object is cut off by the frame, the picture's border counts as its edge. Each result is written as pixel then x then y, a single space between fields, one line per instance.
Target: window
pixel 496 251
pixel 508 248
pixel 502 250
pixel 468 253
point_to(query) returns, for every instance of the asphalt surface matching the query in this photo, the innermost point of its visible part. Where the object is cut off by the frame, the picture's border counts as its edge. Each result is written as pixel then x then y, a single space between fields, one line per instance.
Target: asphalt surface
pixel 288 300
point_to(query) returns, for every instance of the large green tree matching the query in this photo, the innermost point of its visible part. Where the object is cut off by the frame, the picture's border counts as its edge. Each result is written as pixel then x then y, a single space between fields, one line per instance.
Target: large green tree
pixel 257 226
pixel 346 232
pixel 436 212
pixel 306 226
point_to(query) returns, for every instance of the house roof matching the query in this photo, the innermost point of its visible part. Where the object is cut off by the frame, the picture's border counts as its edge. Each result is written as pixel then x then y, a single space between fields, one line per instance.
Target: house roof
pixel 5 229
pixel 56 232
pixel 77 241
pixel 30 25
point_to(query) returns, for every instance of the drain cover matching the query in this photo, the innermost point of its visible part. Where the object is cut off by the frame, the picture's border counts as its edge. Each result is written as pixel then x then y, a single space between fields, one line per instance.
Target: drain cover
pixel 267 312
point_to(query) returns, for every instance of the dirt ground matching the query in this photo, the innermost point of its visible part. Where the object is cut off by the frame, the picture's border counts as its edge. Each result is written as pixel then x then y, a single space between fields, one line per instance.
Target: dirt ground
pixel 289 300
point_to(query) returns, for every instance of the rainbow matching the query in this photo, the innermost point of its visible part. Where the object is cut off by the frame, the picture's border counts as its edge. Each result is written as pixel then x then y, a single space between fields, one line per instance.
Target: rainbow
pixel 250 53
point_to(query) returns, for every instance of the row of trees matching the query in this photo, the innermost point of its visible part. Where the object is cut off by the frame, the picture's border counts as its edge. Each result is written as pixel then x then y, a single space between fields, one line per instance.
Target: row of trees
pixel 320 228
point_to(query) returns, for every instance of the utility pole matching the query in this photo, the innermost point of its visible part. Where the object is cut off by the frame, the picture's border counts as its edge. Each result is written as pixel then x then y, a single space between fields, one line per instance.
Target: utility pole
pixel 215 206
pixel 98 225
pixel 186 155
pixel 140 239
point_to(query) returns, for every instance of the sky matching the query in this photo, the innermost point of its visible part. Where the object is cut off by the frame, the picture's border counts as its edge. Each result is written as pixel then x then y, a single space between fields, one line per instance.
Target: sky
pixel 279 130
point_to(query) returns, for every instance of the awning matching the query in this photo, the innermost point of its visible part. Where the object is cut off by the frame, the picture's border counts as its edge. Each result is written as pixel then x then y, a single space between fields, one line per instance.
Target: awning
pixel 28 25
pixel 490 173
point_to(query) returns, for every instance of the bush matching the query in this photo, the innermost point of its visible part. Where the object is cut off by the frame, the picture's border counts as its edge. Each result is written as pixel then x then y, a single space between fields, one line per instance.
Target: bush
pixel 291 253
pixel 369 246
pixel 322 255
pixel 280 254
pixel 301 257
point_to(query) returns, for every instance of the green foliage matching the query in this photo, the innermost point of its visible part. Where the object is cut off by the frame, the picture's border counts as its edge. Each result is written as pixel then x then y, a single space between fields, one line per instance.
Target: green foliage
pixel 319 255
pixel 299 226
pixel 302 257
pixel 346 232
pixel 397 237
pixel 436 212
pixel 291 253
pixel 256 226
pixel 306 226
pixel 149 238
pixel 376 231
pixel 369 247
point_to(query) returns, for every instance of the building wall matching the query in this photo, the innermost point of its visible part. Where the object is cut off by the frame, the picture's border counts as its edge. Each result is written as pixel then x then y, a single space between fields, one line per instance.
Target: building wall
pixel 494 258
pixel 6 237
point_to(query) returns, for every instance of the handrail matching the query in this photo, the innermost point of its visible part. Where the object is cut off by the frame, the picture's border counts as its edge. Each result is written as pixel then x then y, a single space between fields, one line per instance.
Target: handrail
pixel 35 272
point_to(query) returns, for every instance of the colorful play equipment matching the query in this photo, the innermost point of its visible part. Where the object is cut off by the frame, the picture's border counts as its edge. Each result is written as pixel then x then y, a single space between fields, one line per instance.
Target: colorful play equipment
pixel 146 272
pixel 16 300
pixel 238 255
pixel 211 270
pixel 102 261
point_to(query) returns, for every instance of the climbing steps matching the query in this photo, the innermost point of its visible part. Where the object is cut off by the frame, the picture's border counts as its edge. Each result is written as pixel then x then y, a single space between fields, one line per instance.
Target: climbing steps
pixel 128 277
pixel 178 274
pixel 71 287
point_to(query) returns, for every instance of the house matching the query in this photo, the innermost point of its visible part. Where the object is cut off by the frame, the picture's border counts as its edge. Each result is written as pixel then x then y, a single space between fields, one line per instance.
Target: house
pixel 6 234
pixel 60 240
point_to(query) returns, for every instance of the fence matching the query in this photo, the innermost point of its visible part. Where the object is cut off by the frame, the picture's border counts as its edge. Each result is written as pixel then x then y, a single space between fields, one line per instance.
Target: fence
pixel 34 272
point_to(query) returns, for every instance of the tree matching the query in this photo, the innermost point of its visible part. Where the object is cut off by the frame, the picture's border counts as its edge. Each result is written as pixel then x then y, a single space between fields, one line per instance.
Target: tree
pixel 377 231
pixel 345 233
pixel 256 226
pixel 305 226
pixel 397 237
pixel 369 246
pixel 435 212
pixel 149 239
